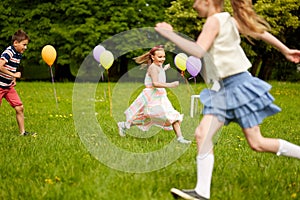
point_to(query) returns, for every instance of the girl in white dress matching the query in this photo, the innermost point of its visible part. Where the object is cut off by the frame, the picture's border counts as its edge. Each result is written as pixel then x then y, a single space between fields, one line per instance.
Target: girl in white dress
pixel 152 106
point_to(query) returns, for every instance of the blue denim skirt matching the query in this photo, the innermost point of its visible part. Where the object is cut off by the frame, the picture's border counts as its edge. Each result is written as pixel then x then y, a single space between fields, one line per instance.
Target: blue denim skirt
pixel 242 98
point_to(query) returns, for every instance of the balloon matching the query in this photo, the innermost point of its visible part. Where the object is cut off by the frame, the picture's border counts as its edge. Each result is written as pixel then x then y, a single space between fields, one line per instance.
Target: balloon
pixel 49 54
pixel 193 65
pixel 97 52
pixel 180 61
pixel 106 59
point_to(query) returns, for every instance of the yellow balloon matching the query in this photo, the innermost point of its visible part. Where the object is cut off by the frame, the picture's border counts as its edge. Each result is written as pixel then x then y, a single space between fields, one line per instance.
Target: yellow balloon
pixel 49 54
pixel 106 59
pixel 180 61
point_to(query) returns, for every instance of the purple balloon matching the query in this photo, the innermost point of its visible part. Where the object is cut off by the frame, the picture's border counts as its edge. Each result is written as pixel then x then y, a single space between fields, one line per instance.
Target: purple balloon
pixel 193 65
pixel 97 52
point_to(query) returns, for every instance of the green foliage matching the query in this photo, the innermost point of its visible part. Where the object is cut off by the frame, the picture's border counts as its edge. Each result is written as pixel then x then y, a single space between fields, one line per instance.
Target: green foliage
pixel 283 17
pixel 183 18
pixel 75 27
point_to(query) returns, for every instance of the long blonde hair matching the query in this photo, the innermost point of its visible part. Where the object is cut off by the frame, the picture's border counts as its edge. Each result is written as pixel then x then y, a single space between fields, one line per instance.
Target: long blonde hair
pixel 248 20
pixel 145 59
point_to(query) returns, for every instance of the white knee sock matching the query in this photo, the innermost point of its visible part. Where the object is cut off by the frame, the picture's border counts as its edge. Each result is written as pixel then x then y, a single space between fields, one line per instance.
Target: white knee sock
pixel 288 149
pixel 205 165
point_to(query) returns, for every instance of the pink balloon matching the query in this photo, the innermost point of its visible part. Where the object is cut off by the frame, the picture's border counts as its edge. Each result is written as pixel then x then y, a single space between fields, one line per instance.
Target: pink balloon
pixel 193 65
pixel 97 52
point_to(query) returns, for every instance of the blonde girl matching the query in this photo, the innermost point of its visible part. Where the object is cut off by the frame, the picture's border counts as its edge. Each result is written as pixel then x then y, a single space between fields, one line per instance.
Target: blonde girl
pixel 152 106
pixel 241 98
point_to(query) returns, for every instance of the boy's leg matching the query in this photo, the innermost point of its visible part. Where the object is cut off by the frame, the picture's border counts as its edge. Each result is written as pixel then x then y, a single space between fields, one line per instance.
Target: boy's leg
pixel 20 118
pixel 2 94
pixel 14 100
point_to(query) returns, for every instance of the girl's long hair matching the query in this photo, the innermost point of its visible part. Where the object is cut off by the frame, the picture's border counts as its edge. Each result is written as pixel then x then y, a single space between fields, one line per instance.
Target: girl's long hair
pixel 249 22
pixel 145 59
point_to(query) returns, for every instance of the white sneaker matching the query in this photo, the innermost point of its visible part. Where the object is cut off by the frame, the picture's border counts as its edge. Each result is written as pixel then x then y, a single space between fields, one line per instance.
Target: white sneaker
pixel 122 129
pixel 183 141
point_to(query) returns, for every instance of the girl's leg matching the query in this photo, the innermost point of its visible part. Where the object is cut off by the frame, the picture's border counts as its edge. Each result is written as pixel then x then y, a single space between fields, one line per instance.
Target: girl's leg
pixel 204 133
pixel 177 130
pixel 261 144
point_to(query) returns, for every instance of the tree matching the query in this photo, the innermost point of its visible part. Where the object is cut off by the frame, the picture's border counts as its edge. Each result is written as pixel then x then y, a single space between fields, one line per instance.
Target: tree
pixel 283 17
pixel 74 27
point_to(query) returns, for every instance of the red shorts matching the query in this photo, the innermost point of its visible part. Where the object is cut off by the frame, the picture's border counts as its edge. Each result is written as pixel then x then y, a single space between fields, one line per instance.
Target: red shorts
pixel 11 96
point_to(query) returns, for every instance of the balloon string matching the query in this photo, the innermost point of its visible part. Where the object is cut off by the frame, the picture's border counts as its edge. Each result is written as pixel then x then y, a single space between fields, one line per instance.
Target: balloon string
pixel 53 87
pixel 186 82
pixel 102 74
pixel 193 77
pixel 109 95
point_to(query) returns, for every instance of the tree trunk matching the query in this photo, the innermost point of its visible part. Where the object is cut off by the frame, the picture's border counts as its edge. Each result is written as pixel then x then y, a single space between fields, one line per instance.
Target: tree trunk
pixel 266 68
pixel 123 65
pixel 63 73
pixel 255 66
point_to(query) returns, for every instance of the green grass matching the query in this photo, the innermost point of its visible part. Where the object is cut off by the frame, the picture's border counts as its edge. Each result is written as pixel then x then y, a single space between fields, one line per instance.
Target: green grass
pixel 72 158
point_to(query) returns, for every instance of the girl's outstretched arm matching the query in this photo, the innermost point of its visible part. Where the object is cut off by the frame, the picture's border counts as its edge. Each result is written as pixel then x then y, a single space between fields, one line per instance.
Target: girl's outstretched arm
pixel 292 55
pixel 190 47
pixel 198 49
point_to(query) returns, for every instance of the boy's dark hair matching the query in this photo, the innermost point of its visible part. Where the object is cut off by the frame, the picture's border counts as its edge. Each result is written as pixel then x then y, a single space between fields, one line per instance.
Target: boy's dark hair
pixel 19 36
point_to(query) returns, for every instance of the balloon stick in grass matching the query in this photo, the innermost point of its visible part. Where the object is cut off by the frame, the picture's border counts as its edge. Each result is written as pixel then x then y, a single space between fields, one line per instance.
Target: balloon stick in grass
pixel 106 61
pixel 49 56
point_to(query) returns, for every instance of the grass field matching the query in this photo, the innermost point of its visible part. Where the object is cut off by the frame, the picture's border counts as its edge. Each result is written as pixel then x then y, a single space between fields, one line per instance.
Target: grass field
pixel 78 153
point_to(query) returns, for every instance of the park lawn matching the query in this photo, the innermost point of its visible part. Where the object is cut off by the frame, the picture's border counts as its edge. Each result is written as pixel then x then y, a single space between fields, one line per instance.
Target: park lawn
pixel 57 164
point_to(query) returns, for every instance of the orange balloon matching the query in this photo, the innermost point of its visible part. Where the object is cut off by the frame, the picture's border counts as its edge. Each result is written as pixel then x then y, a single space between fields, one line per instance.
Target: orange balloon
pixel 49 54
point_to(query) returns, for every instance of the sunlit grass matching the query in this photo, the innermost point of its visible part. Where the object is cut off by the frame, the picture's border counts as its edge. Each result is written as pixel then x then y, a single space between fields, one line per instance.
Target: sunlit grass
pixel 57 165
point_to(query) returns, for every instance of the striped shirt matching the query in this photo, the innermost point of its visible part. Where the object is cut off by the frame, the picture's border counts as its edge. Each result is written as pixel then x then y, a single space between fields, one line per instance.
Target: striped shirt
pixel 12 60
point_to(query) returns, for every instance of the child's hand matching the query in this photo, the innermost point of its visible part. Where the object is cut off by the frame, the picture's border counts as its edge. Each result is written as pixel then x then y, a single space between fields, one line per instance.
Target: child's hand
pixel 17 75
pixel 164 29
pixel 164 25
pixel 293 55
pixel 14 82
pixel 174 84
pixel 166 67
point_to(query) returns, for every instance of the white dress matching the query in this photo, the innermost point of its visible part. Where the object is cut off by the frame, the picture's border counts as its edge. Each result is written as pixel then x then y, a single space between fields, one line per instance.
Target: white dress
pixel 152 107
